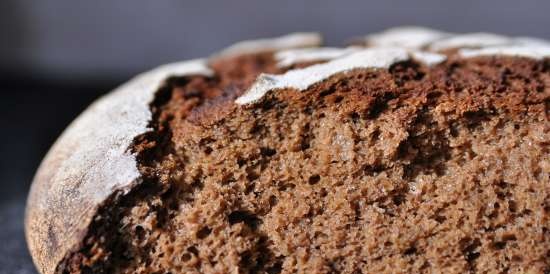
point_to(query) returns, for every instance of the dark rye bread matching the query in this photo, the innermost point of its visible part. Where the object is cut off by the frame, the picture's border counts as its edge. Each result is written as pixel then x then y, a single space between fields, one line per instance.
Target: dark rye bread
pixel 413 167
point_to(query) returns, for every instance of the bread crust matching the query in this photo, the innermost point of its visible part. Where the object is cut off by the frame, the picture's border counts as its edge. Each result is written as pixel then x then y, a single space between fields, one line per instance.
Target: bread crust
pixel 89 163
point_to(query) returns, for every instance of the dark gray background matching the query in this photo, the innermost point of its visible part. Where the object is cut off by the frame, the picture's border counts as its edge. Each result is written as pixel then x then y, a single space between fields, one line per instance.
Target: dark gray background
pixel 57 55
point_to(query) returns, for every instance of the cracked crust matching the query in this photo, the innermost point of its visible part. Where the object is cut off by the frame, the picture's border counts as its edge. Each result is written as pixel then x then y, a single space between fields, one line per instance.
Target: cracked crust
pixel 88 163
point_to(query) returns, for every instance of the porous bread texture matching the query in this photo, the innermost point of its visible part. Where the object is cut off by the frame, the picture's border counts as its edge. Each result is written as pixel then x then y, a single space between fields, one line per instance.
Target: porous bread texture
pixel 92 161
pixel 372 171
pixel 413 161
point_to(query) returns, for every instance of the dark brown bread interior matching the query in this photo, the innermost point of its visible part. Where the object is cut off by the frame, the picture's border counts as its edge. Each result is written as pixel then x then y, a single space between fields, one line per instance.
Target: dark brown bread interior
pixel 413 169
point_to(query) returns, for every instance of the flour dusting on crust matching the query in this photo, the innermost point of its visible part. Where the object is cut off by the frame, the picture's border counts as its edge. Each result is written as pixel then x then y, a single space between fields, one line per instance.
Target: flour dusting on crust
pixel 290 41
pixel 410 37
pixel 301 79
pixel 394 45
pixel 290 57
pixel 534 52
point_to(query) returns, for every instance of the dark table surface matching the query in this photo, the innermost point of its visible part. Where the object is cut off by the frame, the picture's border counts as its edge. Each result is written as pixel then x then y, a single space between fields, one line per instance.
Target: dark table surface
pixel 14 257
pixel 33 112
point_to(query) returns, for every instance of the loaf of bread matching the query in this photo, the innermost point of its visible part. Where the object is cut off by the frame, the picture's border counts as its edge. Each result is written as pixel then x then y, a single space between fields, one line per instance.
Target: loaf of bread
pixel 408 151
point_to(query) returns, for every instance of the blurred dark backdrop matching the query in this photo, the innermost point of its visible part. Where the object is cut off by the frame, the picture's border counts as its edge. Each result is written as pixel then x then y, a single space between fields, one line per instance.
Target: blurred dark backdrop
pixel 56 56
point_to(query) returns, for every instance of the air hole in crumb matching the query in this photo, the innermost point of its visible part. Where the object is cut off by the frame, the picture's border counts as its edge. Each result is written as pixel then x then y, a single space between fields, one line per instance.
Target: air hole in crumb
pixel 198 184
pixel 227 179
pixel 380 105
pixel 284 187
pixel 249 188
pixel 470 249
pixel 246 259
pixel 140 232
pixel 503 184
pixel 314 179
pixel 517 258
pixel 188 94
pixel 509 237
pixel 355 117
pixel 162 217
pixel 398 199
pixel 241 162
pixel 440 218
pixel 323 192
pixel 338 99
pixel 453 130
pixel 266 151
pixel 193 249
pixel 186 257
pixel 375 135
pixel 434 95
pixel 372 170
pixel 410 251
pixel 268 104
pixel 206 141
pixel 304 144
pixel 275 269
pixel 499 245
pixel 326 92
pixel 512 206
pixel 256 128
pixel 245 217
pixel 251 176
pixel 204 232
pixel 272 200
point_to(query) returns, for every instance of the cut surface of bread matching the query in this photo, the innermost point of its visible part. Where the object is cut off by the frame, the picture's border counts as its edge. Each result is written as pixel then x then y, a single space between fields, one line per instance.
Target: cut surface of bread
pixel 423 155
